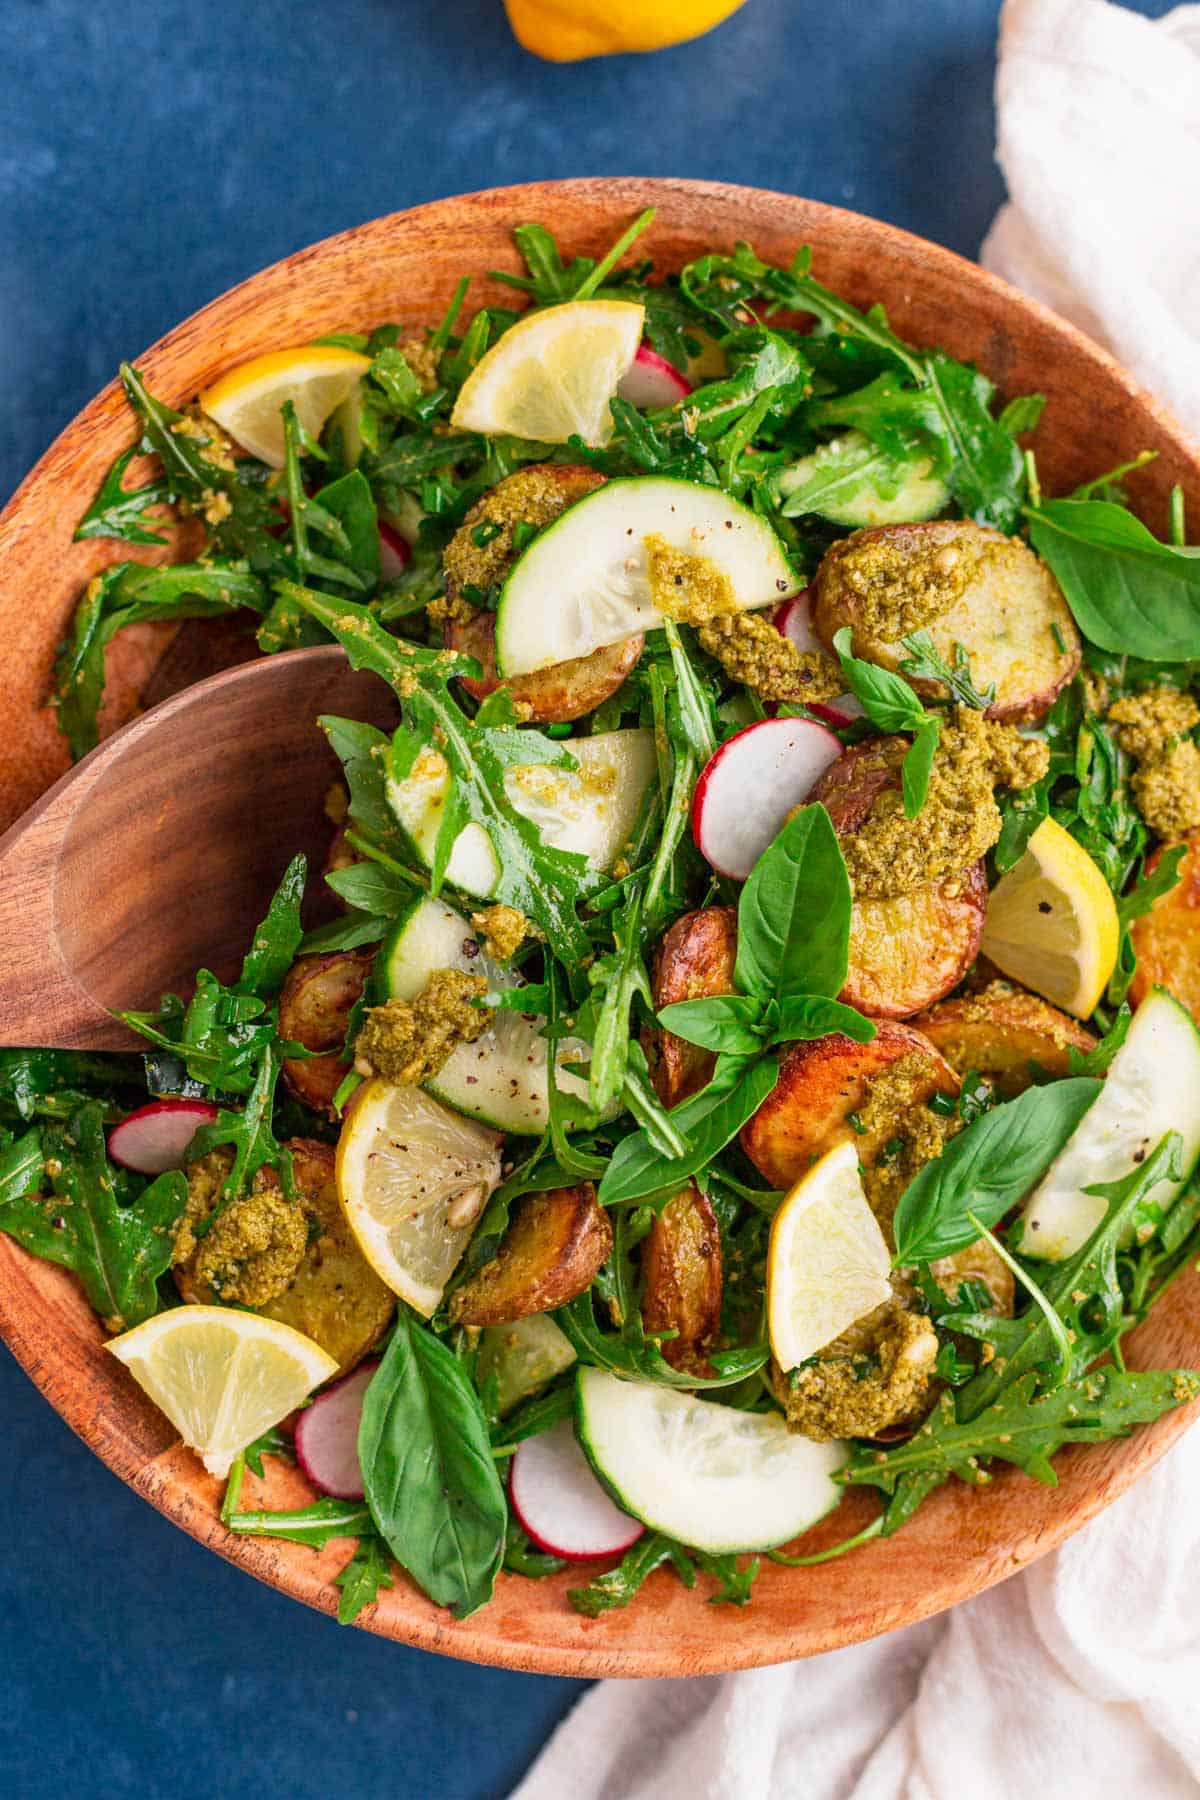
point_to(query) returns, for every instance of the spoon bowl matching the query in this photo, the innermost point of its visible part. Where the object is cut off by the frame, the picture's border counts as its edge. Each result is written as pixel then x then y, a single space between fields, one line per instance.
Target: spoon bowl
pixel 155 856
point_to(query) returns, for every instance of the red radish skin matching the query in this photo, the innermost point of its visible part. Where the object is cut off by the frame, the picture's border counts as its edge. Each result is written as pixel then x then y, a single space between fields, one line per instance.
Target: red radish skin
pixel 327 1435
pixel 559 1502
pixel 158 1135
pixel 394 552
pixel 794 620
pixel 749 786
pixel 651 381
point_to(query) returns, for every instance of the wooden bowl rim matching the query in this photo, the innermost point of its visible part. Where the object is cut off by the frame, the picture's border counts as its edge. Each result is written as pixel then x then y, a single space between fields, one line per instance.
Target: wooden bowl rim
pixel 404 1614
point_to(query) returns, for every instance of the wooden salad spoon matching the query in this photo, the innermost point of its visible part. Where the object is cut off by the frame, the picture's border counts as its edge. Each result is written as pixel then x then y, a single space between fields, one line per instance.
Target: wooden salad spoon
pixel 157 854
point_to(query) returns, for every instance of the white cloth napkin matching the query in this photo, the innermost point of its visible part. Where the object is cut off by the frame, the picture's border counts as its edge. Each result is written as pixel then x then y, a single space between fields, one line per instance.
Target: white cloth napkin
pixel 1079 1679
pixel 1099 140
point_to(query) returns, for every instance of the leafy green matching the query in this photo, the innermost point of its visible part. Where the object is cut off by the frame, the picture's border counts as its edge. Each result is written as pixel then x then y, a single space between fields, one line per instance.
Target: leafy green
pixel 316 1525
pixel 129 594
pixel 427 1466
pixel 986 1169
pixel 1129 592
pixel 794 913
pixel 21 1166
pixel 707 1121
pixel 617 1587
pixel 117 511
pixel 925 663
pixel 893 705
pixel 369 1570
pixel 118 1251
pixel 272 1443
pixel 251 1135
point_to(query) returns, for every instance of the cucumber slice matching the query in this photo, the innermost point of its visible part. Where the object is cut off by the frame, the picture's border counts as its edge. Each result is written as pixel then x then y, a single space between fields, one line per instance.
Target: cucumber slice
pixel 1152 1087
pixel 584 581
pixel 525 1356
pixel 589 810
pixel 853 482
pixel 500 1079
pixel 705 1474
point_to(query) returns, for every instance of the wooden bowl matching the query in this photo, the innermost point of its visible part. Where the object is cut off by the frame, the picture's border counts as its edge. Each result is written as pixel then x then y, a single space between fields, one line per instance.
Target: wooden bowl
pixel 405 268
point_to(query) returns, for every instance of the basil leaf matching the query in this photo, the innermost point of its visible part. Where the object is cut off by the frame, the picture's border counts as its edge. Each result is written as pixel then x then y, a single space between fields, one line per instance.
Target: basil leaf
pixel 811 1016
pixel 987 1168
pixel 890 702
pixel 428 1472
pixel 708 1120
pixel 725 1022
pixel 1127 591
pixel 917 766
pixel 794 913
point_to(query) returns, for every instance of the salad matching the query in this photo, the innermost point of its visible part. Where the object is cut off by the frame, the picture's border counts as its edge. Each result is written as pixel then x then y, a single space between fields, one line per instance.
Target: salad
pixel 754 1053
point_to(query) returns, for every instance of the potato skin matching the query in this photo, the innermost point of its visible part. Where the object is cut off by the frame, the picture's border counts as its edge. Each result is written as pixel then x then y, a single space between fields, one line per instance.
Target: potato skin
pixel 907 951
pixel 1005 620
pixel 335 1296
pixel 551 1252
pixel 1167 938
pixel 314 1009
pixel 820 1084
pixel 681 1268
pixel 694 960
pixel 565 691
pixel 1001 1031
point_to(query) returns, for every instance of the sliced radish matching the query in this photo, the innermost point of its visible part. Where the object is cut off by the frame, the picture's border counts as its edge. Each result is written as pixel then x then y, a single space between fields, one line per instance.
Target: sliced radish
pixel 651 381
pixel 750 785
pixel 157 1136
pixel 559 1501
pixel 394 552
pixel 327 1435
pixel 794 620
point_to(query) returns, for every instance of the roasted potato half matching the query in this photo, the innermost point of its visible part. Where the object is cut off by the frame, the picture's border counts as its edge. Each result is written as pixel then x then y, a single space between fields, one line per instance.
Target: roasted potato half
pixel 1167 938
pixel 335 1296
pixel 681 1268
pixel 314 1010
pixel 820 1084
pixel 551 1251
pixel 1010 615
pixel 909 950
pixel 1006 1033
pixel 694 960
pixel 978 1262
pixel 565 691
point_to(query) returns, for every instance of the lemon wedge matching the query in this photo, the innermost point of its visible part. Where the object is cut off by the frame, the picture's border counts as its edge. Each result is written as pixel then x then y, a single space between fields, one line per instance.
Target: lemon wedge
pixel 248 401
pixel 222 1377
pixel 827 1262
pixel 553 373
pixel 1052 922
pixel 413 1177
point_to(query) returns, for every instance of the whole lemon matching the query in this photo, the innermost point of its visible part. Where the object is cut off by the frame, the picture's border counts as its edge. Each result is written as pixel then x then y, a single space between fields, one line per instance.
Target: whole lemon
pixel 569 30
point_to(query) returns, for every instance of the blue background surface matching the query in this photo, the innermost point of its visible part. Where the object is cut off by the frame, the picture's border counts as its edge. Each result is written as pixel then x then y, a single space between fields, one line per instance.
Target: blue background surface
pixel 151 155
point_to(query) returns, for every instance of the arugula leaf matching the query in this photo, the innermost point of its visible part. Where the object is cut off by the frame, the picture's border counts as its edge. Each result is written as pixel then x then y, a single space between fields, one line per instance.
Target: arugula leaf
pixel 838 472
pixel 986 1169
pixel 1150 889
pixel 925 663
pixel 369 1570
pixel 316 1525
pixel 117 511
pixel 427 1466
pixel 52 1083
pixel 629 1351
pixel 707 1121
pixel 617 1587
pixel 272 1443
pixel 1128 592
pixel 275 942
pixel 250 1132
pixel 987 470
pixel 794 913
pixel 1098 1059
pixel 21 1166
pixel 543 883
pixel 129 594
pixel 118 1252
pixel 1023 1427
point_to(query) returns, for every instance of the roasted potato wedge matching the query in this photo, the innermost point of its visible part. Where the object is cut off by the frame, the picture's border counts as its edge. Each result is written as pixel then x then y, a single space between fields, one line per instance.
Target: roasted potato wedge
pixel 335 1296
pixel 694 960
pixel 907 951
pixel 1005 1033
pixel 314 1009
pixel 1167 938
pixel 1010 617
pixel 820 1084
pixel 681 1268
pixel 565 691
pixel 551 1251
